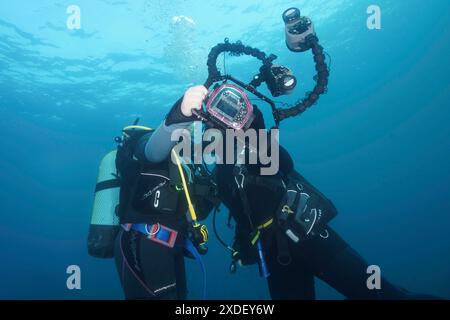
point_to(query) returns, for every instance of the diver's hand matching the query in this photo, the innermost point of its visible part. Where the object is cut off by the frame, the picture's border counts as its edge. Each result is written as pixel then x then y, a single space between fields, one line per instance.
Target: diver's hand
pixel 193 99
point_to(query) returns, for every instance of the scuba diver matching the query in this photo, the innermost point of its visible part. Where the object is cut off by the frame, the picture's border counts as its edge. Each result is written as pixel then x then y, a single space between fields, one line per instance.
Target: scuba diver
pixel 146 213
pixel 281 219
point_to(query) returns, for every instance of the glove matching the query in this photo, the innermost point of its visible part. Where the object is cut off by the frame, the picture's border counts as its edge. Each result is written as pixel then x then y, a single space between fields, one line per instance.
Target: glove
pixel 244 254
pixel 199 236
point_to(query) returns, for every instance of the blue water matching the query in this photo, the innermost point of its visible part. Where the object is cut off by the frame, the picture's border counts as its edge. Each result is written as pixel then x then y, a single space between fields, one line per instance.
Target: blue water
pixel 377 144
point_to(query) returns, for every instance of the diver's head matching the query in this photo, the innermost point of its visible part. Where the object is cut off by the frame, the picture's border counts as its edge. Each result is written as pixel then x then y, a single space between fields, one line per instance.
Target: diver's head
pixel 258 122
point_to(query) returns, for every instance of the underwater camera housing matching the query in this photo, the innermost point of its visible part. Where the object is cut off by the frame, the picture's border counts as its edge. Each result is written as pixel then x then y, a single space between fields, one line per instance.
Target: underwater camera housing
pixel 297 30
pixel 230 105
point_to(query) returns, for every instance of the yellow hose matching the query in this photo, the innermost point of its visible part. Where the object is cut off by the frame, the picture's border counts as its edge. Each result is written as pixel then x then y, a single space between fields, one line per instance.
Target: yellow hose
pixel 185 188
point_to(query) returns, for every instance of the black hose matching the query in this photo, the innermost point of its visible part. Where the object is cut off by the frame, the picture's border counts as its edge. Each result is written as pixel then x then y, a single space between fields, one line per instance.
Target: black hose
pixel 219 238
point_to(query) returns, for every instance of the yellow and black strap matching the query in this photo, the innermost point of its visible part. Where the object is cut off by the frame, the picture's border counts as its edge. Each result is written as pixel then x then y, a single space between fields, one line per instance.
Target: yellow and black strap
pixel 200 229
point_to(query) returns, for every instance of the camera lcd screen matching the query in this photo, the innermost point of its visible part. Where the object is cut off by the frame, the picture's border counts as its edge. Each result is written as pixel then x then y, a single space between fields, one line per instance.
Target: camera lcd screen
pixel 227 107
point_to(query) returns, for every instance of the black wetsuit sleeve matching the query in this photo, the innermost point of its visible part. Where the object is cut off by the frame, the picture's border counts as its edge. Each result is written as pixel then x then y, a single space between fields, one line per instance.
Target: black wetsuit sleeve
pixel 175 116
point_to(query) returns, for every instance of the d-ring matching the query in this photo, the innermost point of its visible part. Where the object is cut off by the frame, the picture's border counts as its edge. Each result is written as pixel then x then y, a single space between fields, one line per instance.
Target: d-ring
pixel 152 233
pixel 284 261
pixel 326 234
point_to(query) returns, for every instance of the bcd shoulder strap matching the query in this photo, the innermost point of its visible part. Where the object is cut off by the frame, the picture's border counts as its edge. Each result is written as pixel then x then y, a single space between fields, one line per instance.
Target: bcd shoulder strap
pixel 127 166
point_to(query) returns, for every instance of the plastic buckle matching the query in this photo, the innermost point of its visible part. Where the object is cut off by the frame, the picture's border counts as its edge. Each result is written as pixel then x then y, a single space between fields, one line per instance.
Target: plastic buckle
pixel 162 235
pixel 285 213
pixel 240 183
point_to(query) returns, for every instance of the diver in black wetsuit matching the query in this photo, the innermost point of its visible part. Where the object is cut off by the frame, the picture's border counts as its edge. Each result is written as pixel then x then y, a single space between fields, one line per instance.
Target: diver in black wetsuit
pixel 151 246
pixel 281 219
pixel 147 269
pixel 292 266
pixel 325 255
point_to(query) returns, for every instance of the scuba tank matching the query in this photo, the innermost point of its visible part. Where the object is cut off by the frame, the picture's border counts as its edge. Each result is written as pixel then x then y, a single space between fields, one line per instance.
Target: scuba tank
pixel 105 213
pixel 104 220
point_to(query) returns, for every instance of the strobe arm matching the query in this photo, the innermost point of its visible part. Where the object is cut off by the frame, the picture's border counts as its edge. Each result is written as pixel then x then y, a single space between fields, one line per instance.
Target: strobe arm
pixel 236 49
pixel 321 83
